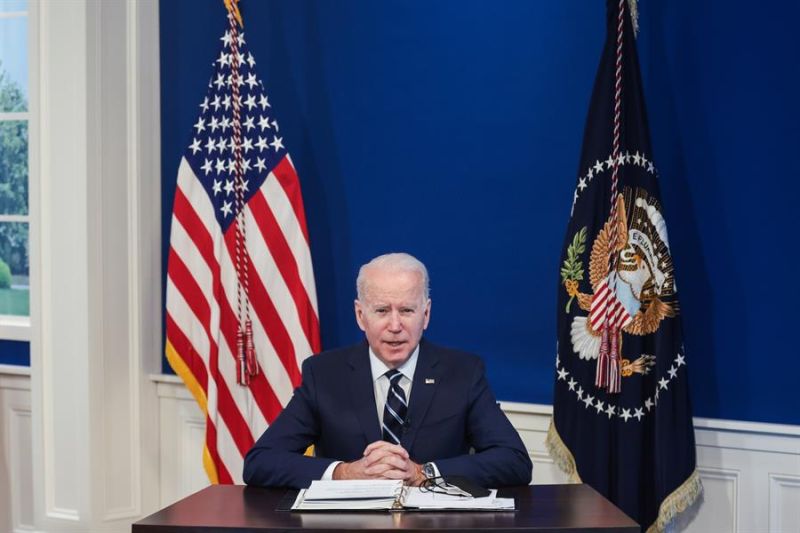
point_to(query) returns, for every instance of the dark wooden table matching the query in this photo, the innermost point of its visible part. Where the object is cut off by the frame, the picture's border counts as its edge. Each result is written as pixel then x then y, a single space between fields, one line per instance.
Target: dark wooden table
pixel 540 508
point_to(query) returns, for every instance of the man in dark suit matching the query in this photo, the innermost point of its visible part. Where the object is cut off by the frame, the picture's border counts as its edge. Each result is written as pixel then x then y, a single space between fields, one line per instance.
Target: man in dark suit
pixel 393 407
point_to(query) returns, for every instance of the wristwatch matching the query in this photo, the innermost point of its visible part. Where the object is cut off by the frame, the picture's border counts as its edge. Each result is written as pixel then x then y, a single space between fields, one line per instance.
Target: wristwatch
pixel 428 470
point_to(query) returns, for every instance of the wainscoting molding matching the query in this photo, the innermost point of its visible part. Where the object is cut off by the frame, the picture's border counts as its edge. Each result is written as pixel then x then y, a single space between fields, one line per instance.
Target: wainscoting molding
pixel 16 461
pixel 750 471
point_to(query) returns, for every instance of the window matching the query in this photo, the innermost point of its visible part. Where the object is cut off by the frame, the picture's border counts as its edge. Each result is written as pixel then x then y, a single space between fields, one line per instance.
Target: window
pixel 14 165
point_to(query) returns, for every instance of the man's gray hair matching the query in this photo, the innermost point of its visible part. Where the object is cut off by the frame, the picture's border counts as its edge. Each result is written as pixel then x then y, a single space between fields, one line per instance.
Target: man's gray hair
pixel 398 262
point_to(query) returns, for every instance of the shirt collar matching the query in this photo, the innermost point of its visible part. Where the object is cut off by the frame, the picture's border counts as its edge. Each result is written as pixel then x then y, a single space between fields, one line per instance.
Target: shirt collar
pixel 379 368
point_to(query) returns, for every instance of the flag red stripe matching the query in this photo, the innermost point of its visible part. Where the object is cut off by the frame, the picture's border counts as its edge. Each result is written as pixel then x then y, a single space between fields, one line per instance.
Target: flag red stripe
pixel 287 265
pixel 265 397
pixel 287 177
pixel 223 475
pixel 195 228
pixel 190 290
pixel 187 352
pixel 229 411
pixel 262 304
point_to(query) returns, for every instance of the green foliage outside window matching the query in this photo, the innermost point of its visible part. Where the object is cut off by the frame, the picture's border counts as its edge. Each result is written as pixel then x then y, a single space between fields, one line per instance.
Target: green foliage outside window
pixel 5 275
pixel 13 176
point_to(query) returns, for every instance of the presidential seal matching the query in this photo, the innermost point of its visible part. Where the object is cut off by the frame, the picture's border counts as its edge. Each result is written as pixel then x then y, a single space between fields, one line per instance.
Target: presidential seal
pixel 635 296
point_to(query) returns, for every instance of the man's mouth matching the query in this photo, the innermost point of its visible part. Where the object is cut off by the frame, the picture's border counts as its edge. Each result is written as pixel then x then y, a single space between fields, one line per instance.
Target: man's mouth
pixel 395 344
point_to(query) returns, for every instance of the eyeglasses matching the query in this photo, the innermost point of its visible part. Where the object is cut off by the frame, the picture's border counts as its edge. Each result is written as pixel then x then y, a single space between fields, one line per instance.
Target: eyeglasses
pixel 438 485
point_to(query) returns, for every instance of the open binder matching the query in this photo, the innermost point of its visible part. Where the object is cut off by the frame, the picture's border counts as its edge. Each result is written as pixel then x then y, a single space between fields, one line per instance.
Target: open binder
pixel 390 495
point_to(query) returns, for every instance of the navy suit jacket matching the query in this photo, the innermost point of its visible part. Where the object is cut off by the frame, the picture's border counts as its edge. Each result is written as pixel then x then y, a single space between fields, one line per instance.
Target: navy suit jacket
pixel 452 412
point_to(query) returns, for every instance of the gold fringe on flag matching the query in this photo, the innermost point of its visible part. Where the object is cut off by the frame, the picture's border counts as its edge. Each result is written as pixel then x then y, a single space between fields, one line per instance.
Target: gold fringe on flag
pixel 633 5
pixel 561 454
pixel 681 498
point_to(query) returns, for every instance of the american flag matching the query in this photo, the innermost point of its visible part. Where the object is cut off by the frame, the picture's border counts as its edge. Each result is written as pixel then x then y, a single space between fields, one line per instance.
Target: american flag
pixel 207 304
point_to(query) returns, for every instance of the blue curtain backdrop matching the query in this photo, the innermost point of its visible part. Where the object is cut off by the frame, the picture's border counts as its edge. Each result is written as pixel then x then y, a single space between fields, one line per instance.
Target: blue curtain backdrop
pixel 452 130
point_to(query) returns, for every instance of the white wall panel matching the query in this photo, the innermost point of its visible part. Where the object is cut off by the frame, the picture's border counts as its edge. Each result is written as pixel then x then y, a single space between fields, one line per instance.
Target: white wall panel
pixel 784 503
pixel 21 464
pixel 182 435
pixel 16 461
pixel 720 501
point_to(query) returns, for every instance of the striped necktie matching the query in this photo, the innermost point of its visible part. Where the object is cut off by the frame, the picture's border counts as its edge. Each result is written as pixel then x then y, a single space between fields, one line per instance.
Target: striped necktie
pixel 394 413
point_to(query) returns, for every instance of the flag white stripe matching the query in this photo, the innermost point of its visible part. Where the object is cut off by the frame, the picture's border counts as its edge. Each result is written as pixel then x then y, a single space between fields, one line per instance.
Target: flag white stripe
pixel 293 233
pixel 276 286
pixel 185 248
pixel 191 187
pixel 228 452
pixel 187 321
pixel 193 330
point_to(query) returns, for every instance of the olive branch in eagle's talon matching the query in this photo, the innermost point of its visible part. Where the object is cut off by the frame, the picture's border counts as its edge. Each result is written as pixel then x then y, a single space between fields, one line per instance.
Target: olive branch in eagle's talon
pixel 572 271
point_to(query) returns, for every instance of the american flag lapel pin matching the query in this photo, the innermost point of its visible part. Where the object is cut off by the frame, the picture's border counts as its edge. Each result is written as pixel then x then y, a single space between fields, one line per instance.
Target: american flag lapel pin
pixel 429 381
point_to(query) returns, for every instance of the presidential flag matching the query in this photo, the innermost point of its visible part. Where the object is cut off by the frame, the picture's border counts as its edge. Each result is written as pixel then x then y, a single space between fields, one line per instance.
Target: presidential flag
pixel 622 418
pixel 241 310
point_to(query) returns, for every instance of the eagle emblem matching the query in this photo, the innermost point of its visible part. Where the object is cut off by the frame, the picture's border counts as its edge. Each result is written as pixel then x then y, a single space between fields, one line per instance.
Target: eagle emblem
pixel 640 292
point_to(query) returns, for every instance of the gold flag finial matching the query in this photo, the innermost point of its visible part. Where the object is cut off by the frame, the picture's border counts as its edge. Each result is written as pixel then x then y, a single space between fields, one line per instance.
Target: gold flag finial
pixel 233 8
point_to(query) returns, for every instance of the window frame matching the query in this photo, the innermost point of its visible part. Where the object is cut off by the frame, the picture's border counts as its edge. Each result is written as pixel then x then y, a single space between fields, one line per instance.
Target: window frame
pixel 13 327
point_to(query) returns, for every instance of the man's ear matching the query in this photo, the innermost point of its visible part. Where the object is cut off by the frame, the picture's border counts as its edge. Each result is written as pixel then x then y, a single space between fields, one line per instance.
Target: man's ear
pixel 359 310
pixel 427 314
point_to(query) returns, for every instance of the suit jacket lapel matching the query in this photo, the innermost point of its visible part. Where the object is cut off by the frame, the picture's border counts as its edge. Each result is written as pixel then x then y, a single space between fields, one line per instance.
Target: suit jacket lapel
pixel 422 391
pixel 363 393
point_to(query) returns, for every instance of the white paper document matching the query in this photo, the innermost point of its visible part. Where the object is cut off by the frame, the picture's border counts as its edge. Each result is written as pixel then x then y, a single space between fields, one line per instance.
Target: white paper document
pixel 421 499
pixel 355 494
pixel 388 495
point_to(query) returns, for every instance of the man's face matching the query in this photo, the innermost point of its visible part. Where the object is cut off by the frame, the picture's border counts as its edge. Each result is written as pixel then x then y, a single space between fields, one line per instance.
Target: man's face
pixel 393 314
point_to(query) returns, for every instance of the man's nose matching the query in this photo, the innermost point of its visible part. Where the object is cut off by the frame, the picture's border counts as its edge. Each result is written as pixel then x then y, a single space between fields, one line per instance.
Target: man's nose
pixel 394 322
